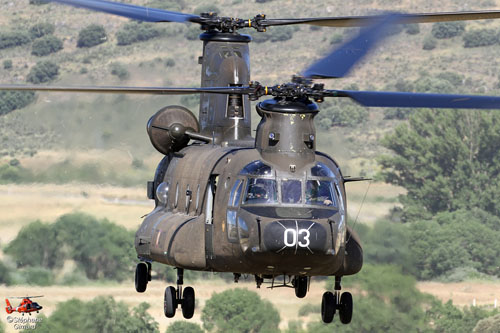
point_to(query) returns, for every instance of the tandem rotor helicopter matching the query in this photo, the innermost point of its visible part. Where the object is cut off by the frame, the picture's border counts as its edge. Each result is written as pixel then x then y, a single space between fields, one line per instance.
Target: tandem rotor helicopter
pixel 268 206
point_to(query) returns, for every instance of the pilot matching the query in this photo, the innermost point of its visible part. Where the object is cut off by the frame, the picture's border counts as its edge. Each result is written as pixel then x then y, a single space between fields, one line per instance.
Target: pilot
pixel 257 193
pixel 316 193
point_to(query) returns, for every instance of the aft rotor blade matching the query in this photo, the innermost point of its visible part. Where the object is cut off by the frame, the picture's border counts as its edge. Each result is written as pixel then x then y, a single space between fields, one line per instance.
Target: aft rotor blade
pixel 359 21
pixel 420 100
pixel 131 90
pixel 132 11
pixel 338 63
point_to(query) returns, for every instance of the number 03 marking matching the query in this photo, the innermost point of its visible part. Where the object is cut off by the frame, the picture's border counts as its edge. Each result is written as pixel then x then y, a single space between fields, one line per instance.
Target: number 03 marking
pixel 301 238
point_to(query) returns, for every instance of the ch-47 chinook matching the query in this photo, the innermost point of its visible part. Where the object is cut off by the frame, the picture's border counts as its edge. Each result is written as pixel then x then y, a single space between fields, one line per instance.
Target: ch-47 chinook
pixel 267 206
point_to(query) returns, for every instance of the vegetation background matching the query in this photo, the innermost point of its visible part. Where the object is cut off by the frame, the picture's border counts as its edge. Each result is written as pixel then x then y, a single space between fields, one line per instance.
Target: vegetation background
pixel 73 167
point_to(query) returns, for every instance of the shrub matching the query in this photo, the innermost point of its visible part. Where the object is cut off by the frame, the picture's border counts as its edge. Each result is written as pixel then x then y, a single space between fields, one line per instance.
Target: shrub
pixel 443 30
pixel 91 36
pixel 336 39
pixel 39 2
pixel 239 310
pixel 13 100
pixel 175 5
pixel 280 34
pixel 480 37
pixel 192 32
pixel 4 274
pixel 46 45
pixel 119 70
pixel 136 32
pixel 184 327
pixel 43 71
pixel 7 64
pixel 41 29
pixel 206 9
pixel 170 62
pixel 429 43
pixel 413 29
pixel 13 38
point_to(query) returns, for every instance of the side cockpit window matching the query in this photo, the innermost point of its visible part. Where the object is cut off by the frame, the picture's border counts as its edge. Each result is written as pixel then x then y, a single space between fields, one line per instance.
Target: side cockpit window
pixel 234 197
pixel 261 191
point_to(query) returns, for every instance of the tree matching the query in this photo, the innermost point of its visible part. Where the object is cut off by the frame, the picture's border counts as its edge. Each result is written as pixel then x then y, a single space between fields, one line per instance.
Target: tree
pixel 488 325
pixel 13 38
pixel 43 71
pixel 239 310
pixel 42 29
pixel 135 32
pixel 446 160
pixel 46 45
pixel 184 327
pixel 480 37
pixel 91 35
pixel 13 100
pixel 443 30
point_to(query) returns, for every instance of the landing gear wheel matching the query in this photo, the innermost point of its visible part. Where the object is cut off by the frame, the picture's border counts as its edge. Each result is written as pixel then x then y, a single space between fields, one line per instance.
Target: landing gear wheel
pixel 328 307
pixel 345 308
pixel 188 302
pixel 170 302
pixel 300 284
pixel 141 277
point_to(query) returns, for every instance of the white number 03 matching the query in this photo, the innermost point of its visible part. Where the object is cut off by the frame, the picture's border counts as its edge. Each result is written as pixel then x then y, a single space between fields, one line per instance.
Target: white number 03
pixel 294 235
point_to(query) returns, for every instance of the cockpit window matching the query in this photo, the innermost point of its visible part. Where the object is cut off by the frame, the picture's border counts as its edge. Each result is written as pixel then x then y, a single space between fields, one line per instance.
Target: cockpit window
pixel 291 191
pixel 261 191
pixel 256 168
pixel 234 198
pixel 321 170
pixel 320 193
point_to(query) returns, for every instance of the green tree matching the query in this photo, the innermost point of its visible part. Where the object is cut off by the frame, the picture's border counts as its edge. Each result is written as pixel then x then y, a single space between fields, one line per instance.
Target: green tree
pixel 446 160
pixel 480 37
pixel 135 32
pixel 43 71
pixel 42 29
pixel 443 30
pixel 46 45
pixel 5 277
pixel 488 325
pixel 239 310
pixel 37 244
pixel 184 327
pixel 13 100
pixel 91 35
pixel 13 38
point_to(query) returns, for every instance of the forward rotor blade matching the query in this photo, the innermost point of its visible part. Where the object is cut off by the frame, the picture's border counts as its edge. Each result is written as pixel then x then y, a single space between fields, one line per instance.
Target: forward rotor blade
pixel 132 11
pixel 359 21
pixel 131 90
pixel 420 100
pixel 341 60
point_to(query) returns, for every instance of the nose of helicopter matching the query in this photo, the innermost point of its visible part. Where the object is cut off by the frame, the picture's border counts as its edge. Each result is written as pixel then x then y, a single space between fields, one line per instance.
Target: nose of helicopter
pixel 295 236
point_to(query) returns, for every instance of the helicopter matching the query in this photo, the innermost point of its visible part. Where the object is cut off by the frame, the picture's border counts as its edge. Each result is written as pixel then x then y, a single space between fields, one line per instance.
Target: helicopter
pixel 270 206
pixel 26 305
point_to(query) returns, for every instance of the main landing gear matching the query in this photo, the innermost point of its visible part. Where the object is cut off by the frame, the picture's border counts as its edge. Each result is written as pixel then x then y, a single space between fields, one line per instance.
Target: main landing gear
pixel 335 301
pixel 175 297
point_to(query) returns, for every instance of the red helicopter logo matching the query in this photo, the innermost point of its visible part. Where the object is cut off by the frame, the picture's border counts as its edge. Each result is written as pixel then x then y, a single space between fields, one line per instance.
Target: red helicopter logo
pixel 26 305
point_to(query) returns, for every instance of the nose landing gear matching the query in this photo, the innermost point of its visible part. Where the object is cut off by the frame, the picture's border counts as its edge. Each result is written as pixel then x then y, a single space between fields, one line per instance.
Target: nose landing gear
pixel 142 276
pixel 335 301
pixel 175 297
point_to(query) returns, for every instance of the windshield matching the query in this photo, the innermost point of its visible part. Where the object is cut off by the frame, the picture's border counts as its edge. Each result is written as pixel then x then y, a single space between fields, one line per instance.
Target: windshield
pixel 261 191
pixel 320 193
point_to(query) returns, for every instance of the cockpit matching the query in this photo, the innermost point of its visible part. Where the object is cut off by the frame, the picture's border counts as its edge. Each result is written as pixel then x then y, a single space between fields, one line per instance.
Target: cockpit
pixel 260 186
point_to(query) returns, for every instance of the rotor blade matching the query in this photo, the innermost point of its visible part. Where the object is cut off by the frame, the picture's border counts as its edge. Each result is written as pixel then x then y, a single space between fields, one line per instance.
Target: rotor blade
pixel 131 90
pixel 359 21
pixel 341 60
pixel 420 100
pixel 132 11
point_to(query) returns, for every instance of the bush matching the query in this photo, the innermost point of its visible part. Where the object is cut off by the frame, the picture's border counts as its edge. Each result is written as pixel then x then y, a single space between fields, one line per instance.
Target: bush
pixel 429 43
pixel 280 34
pixel 119 70
pixel 184 327
pixel 480 37
pixel 41 29
pixel 91 36
pixel 397 113
pixel 239 310
pixel 336 39
pixel 13 100
pixel 175 5
pixel 43 71
pixel 192 32
pixel 5 277
pixel 341 113
pixel 13 38
pixel 170 62
pixel 444 30
pixel 39 2
pixel 413 29
pixel 488 325
pixel 102 314
pixel 211 8
pixel 309 308
pixel 7 64
pixel 37 276
pixel 137 32
pixel 46 45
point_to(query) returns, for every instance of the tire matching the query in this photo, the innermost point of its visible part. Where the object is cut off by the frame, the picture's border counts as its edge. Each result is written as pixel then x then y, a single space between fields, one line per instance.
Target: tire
pixel 170 302
pixel 301 286
pixel 345 311
pixel 327 307
pixel 188 302
pixel 141 277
